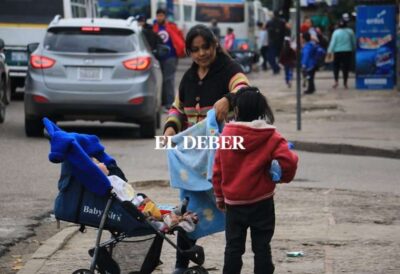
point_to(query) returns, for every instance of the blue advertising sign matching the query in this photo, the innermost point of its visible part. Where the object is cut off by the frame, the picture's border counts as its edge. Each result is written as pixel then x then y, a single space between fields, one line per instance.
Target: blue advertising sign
pixel 376 47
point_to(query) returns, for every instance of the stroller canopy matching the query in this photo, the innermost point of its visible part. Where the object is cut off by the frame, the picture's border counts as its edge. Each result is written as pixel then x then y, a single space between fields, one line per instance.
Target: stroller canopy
pixel 78 149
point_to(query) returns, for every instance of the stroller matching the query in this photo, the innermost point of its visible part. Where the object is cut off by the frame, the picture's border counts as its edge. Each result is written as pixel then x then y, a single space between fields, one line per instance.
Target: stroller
pixel 85 198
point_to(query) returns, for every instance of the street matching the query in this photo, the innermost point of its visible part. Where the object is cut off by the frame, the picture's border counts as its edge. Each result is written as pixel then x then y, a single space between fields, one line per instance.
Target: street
pixel 29 181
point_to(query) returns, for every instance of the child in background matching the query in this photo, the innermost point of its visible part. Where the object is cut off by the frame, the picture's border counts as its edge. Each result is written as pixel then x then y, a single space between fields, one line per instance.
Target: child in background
pixel 229 40
pixel 288 60
pixel 309 62
pixel 243 185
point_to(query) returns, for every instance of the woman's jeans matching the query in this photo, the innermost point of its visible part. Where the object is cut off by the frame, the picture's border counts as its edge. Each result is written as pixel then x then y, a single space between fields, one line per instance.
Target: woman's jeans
pixel 272 54
pixel 342 61
pixel 260 218
pixel 168 68
pixel 288 74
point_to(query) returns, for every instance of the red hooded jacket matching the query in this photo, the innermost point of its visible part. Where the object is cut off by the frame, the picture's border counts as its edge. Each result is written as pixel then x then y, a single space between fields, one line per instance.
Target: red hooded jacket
pixel 242 176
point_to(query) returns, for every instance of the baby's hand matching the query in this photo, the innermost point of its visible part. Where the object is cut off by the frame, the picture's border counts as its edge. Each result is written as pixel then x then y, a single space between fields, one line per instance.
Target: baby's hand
pixel 275 171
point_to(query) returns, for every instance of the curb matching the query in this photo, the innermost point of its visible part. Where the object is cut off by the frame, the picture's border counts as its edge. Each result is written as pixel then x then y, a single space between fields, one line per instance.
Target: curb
pixel 50 246
pixel 346 149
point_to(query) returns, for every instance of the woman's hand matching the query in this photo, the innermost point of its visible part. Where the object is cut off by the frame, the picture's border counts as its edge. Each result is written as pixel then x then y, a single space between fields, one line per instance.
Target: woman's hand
pixel 168 133
pixel 221 109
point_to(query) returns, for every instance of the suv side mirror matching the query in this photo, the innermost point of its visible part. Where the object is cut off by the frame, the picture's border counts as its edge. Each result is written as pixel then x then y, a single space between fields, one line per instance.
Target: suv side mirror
pixel 161 50
pixel 2 44
pixel 32 47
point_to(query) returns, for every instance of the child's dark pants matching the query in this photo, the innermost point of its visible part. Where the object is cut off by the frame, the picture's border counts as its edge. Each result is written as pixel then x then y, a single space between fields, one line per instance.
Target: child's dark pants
pixel 260 217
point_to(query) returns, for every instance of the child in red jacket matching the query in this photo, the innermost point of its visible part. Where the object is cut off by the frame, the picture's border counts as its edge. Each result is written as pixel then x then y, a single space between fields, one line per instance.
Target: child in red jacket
pixel 243 185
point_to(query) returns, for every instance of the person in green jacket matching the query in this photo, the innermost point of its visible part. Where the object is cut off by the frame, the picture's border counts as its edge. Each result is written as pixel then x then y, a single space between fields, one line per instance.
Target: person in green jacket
pixel 342 45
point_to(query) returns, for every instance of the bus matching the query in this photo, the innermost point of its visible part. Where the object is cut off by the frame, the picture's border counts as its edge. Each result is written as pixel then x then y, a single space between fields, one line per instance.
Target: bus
pixel 241 15
pixel 23 22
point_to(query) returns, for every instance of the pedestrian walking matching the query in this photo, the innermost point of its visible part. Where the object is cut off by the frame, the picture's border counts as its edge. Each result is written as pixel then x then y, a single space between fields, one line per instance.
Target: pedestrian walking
pixel 288 60
pixel 173 38
pixel 309 62
pixel 276 28
pixel 243 186
pixel 215 29
pixel 342 46
pixel 210 82
pixel 262 44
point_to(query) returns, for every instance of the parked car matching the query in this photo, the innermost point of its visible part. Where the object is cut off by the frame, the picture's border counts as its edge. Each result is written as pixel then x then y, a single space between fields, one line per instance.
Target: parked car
pixel 93 69
pixel 3 83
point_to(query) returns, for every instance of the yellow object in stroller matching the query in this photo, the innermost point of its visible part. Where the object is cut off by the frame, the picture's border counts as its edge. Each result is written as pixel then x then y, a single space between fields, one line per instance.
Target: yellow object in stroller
pixel 85 198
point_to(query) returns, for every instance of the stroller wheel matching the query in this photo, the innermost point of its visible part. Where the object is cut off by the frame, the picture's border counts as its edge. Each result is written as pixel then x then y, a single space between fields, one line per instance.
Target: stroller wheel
pixel 196 270
pixel 82 271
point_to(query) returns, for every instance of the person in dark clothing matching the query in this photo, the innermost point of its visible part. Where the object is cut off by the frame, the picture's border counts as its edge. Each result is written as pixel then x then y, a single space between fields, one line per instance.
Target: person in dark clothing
pixel 276 32
pixel 215 29
pixel 151 37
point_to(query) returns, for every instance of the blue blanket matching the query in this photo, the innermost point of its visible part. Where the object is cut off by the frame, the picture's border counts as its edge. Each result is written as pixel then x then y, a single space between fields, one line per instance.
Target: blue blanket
pixel 191 172
pixel 77 150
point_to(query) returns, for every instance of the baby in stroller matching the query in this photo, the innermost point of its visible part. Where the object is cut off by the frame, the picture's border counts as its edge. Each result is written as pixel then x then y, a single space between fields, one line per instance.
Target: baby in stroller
pixel 165 220
pixel 89 198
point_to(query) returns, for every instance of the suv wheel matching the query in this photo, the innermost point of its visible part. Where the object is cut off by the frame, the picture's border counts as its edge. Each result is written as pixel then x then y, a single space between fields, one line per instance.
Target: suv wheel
pixel 148 129
pixel 2 101
pixel 33 127
pixel 7 97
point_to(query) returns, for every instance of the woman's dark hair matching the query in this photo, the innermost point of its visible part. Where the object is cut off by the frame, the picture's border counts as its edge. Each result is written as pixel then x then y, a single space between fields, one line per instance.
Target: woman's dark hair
pixel 203 31
pixel 161 10
pixel 342 24
pixel 252 105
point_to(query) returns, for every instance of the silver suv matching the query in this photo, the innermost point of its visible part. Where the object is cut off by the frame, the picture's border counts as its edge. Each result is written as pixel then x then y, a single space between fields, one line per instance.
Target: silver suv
pixel 93 69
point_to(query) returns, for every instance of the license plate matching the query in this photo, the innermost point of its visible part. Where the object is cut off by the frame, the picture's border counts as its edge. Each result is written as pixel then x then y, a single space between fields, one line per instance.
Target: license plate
pixel 90 74
pixel 19 56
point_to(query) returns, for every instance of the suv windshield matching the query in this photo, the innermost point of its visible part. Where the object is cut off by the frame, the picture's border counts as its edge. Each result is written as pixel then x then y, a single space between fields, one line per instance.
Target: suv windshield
pixel 102 40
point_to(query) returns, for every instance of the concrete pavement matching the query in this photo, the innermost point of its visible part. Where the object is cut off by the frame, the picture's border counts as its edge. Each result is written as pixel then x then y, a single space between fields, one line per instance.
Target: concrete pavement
pixel 339 231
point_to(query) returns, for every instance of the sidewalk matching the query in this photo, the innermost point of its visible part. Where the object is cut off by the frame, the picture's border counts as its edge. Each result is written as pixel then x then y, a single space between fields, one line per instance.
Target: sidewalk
pixel 339 231
pixel 325 224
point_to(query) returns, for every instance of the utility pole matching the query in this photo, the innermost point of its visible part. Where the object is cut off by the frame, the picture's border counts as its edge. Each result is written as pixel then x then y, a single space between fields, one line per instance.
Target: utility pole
pixel 298 66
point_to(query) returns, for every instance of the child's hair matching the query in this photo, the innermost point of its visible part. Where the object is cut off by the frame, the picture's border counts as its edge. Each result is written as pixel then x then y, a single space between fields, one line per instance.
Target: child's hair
pixel 250 104
pixel 287 48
